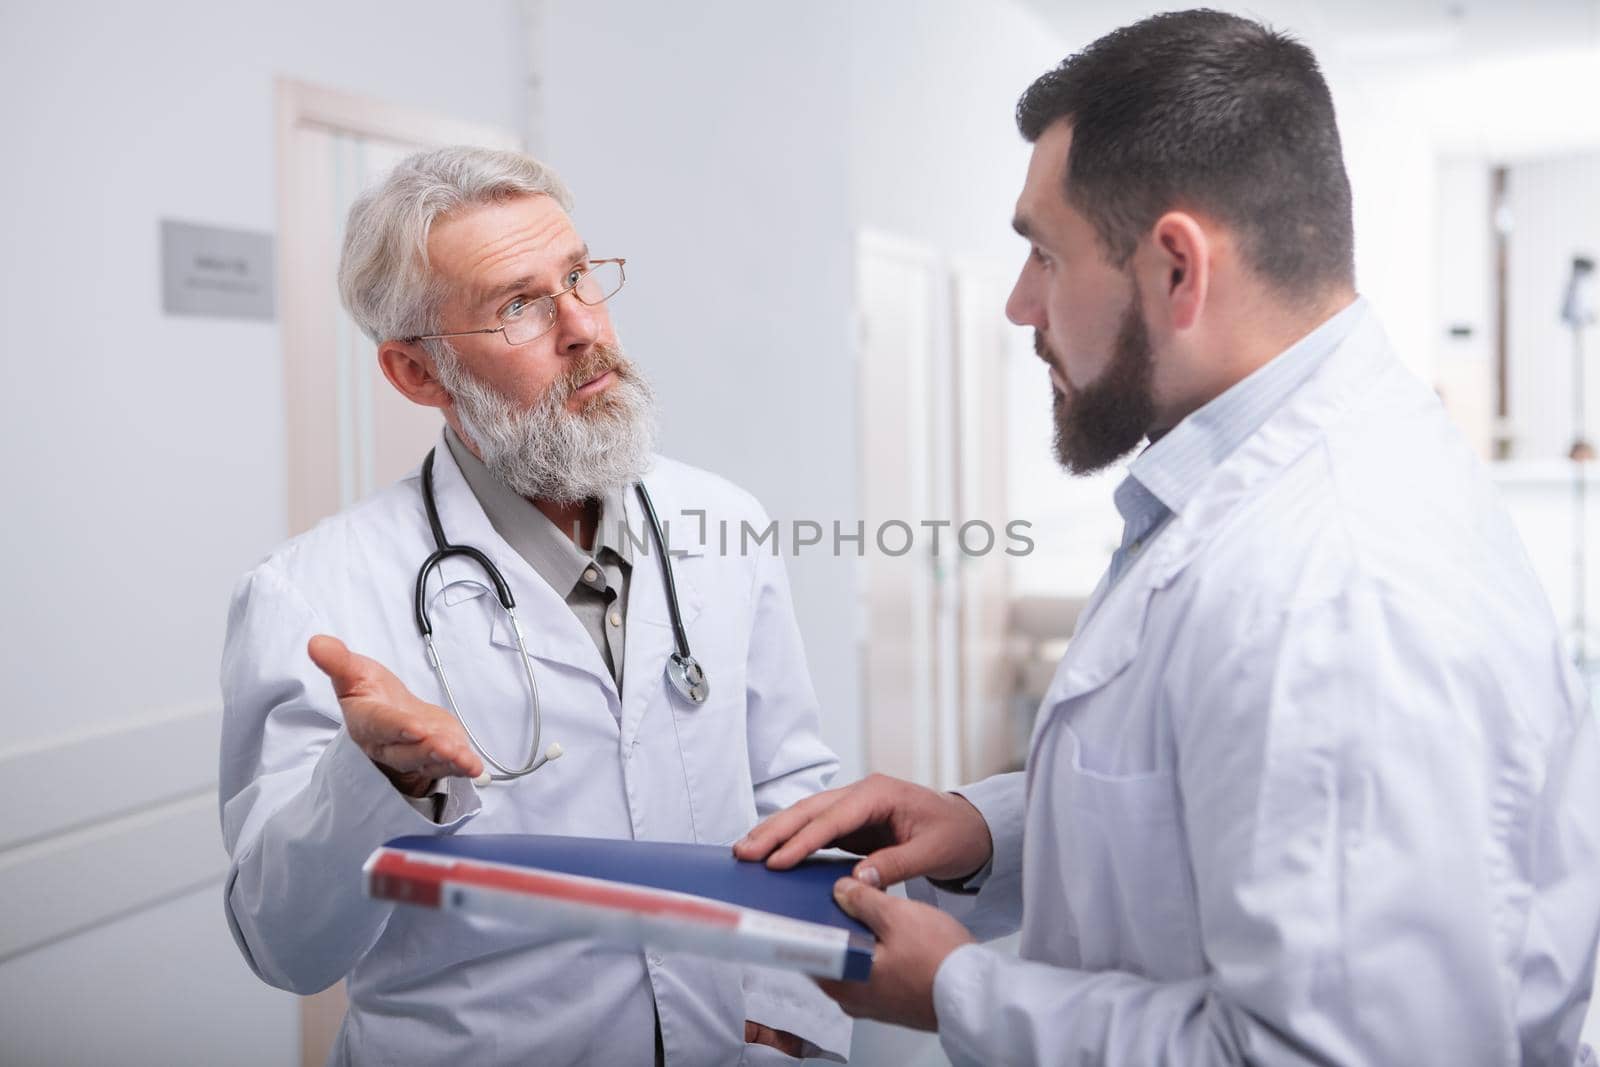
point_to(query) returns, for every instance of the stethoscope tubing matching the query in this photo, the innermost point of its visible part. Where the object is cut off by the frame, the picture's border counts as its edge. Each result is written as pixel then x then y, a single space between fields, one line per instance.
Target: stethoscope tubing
pixel 684 673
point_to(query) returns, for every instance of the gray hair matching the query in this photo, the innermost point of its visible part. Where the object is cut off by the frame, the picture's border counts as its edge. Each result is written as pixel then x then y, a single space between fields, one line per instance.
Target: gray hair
pixel 384 276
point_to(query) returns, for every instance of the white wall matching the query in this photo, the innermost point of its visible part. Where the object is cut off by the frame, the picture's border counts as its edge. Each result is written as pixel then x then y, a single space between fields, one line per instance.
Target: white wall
pixel 717 161
pixel 148 447
pixel 935 156
pixel 146 457
pixel 160 990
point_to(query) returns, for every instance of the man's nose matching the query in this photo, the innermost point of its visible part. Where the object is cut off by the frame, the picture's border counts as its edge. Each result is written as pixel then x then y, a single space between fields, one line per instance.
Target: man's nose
pixel 1021 307
pixel 577 323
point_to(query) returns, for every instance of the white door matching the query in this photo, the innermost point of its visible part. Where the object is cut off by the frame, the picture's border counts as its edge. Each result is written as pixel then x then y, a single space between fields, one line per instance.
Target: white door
pixel 934 351
pixel 348 431
pixel 984 340
pixel 900 291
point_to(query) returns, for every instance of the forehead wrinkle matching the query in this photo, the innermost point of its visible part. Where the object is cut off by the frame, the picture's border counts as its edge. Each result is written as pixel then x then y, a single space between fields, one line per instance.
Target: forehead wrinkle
pixel 523 282
pixel 513 246
pixel 502 264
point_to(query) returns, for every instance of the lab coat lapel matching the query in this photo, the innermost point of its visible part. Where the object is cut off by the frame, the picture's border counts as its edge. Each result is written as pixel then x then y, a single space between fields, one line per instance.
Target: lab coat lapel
pixel 553 633
pixel 650 638
pixel 1111 629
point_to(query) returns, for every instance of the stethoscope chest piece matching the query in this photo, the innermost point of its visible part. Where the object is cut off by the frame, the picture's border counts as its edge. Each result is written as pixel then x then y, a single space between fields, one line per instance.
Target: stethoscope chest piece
pixel 688 678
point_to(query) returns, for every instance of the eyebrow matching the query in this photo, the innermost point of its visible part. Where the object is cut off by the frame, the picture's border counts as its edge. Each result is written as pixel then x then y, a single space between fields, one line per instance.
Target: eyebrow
pixel 524 284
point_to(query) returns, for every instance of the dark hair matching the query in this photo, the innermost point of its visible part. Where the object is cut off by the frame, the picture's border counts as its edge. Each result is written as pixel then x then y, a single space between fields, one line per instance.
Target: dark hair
pixel 1213 113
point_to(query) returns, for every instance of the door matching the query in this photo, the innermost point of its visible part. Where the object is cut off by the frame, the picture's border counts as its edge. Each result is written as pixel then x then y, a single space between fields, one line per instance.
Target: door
pixel 901 299
pixel 348 432
pixel 937 674
pixel 984 341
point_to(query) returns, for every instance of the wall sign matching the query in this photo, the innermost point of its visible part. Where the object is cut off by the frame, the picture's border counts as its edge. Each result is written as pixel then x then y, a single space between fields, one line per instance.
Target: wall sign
pixel 217 272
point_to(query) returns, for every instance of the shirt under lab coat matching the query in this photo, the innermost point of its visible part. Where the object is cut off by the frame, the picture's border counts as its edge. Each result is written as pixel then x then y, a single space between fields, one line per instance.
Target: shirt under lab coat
pixel 302 806
pixel 1313 783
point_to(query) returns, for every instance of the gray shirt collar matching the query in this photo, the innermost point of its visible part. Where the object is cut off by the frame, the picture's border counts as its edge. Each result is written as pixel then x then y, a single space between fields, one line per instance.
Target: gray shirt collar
pixel 1173 468
pixel 1165 476
pixel 546 548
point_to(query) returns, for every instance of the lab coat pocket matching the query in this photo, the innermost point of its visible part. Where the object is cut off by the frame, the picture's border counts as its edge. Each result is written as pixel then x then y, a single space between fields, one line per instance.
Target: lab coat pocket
pixel 461 589
pixel 1124 862
pixel 462 614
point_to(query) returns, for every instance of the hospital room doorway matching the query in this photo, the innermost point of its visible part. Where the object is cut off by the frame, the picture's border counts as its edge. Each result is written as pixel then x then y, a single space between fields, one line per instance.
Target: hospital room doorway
pixel 936 674
pixel 347 431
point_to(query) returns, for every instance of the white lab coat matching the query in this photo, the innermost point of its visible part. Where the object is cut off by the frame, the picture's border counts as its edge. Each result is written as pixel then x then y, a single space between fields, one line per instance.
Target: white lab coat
pixel 302 807
pixel 1313 782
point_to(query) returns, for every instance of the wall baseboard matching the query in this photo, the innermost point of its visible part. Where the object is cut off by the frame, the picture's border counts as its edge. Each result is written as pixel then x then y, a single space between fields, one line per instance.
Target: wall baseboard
pixel 118 820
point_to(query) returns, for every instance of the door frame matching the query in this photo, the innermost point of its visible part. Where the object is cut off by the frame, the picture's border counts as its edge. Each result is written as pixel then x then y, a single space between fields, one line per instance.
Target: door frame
pixel 310 405
pixel 311 412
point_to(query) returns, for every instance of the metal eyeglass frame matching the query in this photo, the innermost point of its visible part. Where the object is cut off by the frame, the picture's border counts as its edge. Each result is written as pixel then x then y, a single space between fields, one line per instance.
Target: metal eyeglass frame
pixel 549 301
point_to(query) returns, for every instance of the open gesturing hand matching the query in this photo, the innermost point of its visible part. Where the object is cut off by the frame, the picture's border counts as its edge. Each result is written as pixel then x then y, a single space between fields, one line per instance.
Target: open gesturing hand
pixel 412 742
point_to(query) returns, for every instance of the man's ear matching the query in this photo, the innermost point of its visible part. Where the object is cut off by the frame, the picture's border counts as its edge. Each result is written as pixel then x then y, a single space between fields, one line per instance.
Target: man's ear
pixel 410 369
pixel 1177 272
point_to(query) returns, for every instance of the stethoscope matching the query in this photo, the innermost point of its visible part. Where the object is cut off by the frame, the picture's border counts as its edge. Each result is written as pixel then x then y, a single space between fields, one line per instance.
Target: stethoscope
pixel 683 670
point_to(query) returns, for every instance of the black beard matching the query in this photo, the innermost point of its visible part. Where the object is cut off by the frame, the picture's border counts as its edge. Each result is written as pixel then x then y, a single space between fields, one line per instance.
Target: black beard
pixel 1104 421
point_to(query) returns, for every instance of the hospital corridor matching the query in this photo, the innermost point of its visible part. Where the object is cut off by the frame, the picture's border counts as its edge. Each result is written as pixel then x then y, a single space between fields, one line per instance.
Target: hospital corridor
pixel 498 486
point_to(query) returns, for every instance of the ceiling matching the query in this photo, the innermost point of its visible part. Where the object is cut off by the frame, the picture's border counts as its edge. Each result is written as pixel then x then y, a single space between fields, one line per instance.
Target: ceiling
pixel 1372 30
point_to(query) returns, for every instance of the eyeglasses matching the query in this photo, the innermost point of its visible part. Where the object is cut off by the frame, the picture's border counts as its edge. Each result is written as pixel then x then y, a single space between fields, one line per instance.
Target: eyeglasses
pixel 528 318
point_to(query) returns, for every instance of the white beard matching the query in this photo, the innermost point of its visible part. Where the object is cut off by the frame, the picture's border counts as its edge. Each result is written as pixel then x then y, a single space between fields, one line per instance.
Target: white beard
pixel 547 452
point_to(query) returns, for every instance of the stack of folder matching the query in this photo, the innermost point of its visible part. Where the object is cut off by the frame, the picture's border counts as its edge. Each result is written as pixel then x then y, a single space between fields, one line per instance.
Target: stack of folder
pixel 690 898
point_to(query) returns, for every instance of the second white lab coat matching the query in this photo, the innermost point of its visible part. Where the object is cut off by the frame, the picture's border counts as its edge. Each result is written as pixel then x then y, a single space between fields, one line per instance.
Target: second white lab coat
pixel 1313 783
pixel 302 806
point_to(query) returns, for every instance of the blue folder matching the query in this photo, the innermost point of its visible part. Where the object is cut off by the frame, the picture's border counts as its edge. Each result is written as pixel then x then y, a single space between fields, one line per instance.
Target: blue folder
pixel 804 892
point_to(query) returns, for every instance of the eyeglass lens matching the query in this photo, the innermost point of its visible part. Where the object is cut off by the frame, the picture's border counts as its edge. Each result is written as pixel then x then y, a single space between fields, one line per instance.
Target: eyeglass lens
pixel 598 284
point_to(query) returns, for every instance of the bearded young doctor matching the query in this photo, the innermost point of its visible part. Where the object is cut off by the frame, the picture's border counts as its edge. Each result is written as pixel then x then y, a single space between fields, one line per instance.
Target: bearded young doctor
pixel 1314 781
pixel 672 689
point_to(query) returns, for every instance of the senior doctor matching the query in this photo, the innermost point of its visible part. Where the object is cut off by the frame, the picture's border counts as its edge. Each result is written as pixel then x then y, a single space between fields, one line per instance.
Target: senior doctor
pixel 466 269
pixel 1314 781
